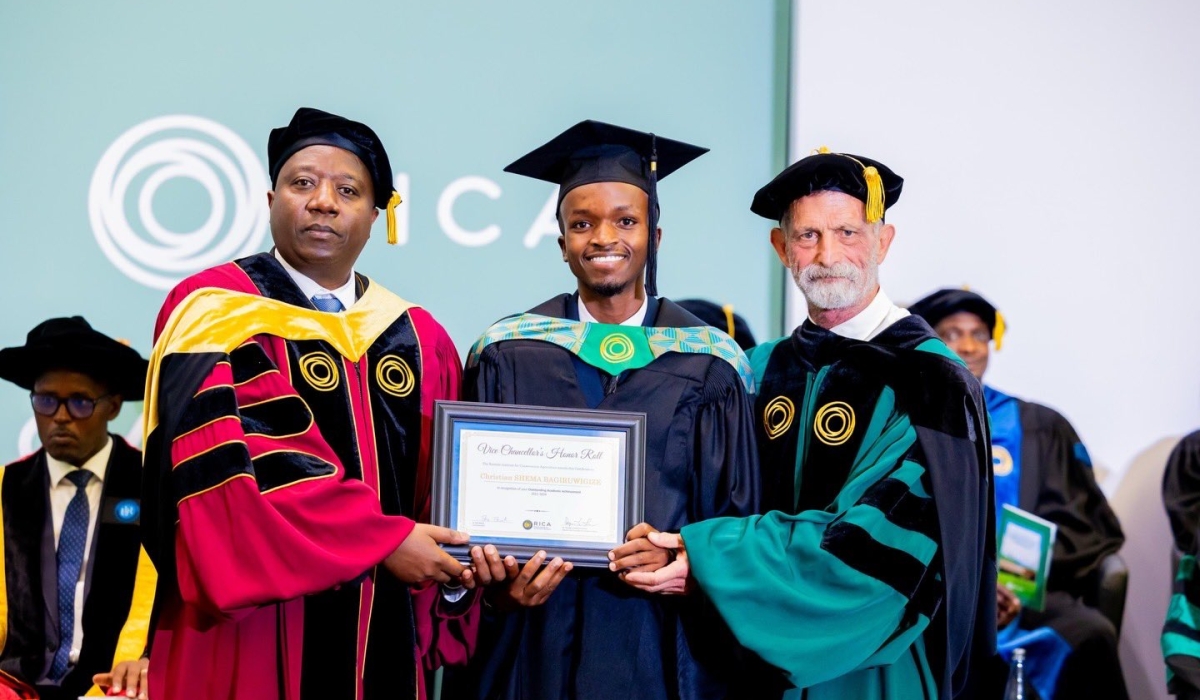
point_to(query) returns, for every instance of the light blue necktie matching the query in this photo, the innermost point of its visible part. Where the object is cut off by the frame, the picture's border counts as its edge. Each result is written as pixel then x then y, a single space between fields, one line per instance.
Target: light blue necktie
pixel 71 540
pixel 327 303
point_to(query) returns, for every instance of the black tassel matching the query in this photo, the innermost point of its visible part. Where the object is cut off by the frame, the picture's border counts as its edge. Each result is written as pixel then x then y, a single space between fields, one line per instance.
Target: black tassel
pixel 652 250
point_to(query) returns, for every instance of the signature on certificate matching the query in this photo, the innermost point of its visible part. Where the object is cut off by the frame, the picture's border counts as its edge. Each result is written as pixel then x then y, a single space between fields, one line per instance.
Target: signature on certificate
pixel 581 522
pixel 493 519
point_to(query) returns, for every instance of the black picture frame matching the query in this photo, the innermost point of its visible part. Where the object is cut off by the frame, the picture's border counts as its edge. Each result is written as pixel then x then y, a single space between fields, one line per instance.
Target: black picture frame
pixel 451 416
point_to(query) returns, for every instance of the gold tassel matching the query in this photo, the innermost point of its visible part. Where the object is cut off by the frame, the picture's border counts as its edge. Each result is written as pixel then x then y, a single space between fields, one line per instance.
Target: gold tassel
pixel 729 324
pixel 391 216
pixel 823 150
pixel 874 194
pixel 998 330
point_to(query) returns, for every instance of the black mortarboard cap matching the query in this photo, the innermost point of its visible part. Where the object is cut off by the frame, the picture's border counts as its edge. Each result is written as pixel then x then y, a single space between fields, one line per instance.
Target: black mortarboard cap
pixel 72 344
pixel 313 127
pixel 863 178
pixel 947 302
pixel 723 318
pixel 593 151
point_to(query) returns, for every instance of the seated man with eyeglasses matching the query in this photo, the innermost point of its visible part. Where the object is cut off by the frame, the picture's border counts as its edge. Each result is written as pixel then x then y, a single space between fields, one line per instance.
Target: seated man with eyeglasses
pixel 75 587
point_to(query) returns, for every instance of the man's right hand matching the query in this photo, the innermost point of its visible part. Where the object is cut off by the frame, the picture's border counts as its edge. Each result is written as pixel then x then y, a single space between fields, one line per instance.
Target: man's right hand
pixel 672 579
pixel 128 679
pixel 419 558
pixel 1008 606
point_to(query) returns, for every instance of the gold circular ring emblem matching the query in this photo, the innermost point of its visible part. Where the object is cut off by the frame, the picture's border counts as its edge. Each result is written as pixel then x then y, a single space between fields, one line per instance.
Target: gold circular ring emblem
pixel 616 348
pixel 319 370
pixel 395 377
pixel 1002 463
pixel 778 415
pixel 834 423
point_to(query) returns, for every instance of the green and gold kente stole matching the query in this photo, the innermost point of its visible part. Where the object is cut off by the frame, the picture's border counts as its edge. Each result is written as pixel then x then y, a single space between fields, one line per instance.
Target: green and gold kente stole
pixel 614 348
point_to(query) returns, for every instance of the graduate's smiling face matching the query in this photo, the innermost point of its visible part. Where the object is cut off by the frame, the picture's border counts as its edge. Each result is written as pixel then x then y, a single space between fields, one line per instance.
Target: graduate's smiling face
pixel 66 438
pixel 605 239
pixel 969 337
pixel 831 249
pixel 322 209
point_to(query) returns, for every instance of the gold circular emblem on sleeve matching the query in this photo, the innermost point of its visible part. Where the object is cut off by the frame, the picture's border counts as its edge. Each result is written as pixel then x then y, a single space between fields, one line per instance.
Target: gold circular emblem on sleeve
pixel 616 347
pixel 319 370
pixel 778 415
pixel 395 376
pixel 1002 462
pixel 834 423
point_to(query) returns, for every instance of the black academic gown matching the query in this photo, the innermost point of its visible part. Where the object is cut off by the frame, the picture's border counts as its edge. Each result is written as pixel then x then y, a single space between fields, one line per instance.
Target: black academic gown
pixel 1181 494
pixel 1057 484
pixel 31 572
pixel 1181 637
pixel 944 405
pixel 597 638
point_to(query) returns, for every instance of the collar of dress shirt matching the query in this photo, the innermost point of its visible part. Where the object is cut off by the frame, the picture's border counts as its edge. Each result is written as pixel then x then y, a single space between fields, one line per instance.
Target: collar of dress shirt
pixel 97 465
pixel 871 321
pixel 634 320
pixel 344 293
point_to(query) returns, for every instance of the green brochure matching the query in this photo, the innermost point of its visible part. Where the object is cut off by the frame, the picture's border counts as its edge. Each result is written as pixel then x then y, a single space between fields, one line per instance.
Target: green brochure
pixel 1026 545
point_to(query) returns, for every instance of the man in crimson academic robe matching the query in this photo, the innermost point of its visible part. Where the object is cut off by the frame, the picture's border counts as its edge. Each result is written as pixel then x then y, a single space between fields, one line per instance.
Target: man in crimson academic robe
pixel 287 462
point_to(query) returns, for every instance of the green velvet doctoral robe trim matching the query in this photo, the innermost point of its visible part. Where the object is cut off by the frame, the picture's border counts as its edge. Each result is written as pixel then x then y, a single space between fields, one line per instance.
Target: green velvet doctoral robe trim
pixel 837 584
pixel 1181 633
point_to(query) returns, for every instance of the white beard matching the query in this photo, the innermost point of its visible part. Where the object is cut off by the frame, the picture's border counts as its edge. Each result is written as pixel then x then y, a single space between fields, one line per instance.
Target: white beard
pixel 838 286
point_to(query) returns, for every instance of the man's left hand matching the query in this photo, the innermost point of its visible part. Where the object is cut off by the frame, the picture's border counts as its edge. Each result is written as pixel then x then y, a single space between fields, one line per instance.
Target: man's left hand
pixel 672 579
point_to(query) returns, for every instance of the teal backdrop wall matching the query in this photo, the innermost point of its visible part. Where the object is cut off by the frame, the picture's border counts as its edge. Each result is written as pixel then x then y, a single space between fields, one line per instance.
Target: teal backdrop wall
pixel 133 139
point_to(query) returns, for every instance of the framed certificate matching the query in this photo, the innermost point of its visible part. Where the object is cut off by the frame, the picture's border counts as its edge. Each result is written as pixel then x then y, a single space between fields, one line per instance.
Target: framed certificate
pixel 529 478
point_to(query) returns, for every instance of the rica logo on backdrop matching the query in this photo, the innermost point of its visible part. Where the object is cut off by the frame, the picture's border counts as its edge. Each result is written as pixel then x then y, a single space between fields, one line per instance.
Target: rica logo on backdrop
pixel 147 156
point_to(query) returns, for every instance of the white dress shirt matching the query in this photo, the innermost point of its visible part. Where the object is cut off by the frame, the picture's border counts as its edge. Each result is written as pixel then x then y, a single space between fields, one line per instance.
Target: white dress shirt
pixel 871 321
pixel 345 293
pixel 61 493
pixel 634 320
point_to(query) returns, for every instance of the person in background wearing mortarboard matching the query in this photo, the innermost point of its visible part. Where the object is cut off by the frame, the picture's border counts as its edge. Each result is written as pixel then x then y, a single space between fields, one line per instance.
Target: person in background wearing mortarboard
pixel 287 455
pixel 1040 465
pixel 874 565
pixel 77 589
pixel 722 317
pixel 594 638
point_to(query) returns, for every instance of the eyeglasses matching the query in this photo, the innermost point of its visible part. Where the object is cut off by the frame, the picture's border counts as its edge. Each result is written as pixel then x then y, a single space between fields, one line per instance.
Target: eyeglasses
pixel 79 407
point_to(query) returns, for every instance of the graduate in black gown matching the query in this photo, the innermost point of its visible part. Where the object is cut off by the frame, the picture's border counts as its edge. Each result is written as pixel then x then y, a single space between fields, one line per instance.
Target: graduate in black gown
pixel 1181 633
pixel 1041 466
pixel 595 638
